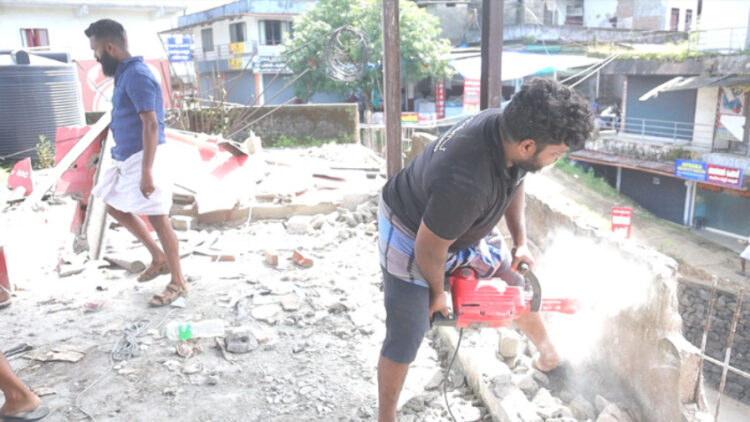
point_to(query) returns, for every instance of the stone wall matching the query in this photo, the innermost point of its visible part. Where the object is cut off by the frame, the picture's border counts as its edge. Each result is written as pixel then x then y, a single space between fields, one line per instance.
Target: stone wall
pixel 693 301
pixel 334 122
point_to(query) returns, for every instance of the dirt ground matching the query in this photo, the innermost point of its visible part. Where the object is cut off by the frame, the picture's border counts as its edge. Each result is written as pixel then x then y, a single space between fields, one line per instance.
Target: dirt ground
pixel 318 329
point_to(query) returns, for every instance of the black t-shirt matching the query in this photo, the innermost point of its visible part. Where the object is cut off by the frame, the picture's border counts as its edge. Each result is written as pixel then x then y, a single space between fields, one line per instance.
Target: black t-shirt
pixel 459 185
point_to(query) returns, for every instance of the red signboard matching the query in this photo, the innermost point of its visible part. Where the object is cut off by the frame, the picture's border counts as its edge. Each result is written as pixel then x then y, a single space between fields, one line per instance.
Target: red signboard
pixel 622 221
pixel 471 95
pixel 723 175
pixel 20 176
pixel 440 100
pixel 97 88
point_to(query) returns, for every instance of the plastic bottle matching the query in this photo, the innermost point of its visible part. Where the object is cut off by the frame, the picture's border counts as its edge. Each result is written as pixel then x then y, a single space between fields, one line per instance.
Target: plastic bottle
pixel 186 330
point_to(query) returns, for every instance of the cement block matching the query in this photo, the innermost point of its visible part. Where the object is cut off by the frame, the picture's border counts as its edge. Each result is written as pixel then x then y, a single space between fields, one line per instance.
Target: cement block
pixel 510 344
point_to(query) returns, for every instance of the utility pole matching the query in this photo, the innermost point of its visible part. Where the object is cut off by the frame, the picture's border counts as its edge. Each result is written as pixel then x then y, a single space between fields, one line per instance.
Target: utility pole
pixel 491 81
pixel 392 85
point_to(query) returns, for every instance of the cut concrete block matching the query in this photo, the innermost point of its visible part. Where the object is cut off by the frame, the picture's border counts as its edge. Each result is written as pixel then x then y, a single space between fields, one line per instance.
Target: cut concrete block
pixel 418 141
pixel 510 344
pixel 189 210
pixel 272 258
pixel 182 223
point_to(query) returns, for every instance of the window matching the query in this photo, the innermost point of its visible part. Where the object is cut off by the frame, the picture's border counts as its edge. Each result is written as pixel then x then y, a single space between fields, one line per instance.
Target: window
pixel 207 39
pixel 688 19
pixel 237 32
pixel 675 21
pixel 275 32
pixel 34 37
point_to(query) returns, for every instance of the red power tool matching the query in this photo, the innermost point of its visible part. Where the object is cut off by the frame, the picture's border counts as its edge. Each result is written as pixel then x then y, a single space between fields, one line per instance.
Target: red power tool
pixel 491 302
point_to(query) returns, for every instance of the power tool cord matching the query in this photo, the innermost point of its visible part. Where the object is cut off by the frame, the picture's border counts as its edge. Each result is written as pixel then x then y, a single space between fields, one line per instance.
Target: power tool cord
pixel 448 371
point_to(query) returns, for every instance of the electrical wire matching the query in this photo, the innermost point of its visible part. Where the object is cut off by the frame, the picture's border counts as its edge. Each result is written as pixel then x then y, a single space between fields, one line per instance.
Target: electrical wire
pixel 448 371
pixel 126 347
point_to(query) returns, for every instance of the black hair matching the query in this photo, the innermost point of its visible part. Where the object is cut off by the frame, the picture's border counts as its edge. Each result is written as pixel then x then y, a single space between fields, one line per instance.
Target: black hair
pixel 549 113
pixel 107 30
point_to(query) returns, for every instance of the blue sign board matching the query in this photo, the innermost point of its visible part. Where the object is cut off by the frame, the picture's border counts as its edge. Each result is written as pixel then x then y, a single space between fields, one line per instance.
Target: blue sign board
pixel 178 49
pixel 693 170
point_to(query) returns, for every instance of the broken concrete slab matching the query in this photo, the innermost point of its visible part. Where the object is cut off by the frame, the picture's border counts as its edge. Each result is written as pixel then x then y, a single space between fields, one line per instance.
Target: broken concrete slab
pixel 298 224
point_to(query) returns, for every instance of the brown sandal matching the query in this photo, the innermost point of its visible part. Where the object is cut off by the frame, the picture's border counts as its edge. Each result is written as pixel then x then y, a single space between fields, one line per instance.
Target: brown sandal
pixel 154 270
pixel 169 295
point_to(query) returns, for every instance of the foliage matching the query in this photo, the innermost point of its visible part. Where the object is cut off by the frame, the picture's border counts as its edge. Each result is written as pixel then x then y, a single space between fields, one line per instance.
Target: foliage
pixel 45 153
pixel 673 53
pixel 588 178
pixel 423 52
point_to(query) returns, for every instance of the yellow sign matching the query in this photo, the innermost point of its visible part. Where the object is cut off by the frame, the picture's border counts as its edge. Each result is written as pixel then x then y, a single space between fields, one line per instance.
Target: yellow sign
pixel 237 47
pixel 235 63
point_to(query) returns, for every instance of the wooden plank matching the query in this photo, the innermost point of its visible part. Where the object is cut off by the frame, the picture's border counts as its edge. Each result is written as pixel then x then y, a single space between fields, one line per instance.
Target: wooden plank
pixel 392 85
pixel 52 178
pixel 491 81
pixel 95 223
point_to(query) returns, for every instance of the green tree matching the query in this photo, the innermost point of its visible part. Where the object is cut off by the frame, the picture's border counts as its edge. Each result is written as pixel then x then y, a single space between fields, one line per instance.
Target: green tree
pixel 423 52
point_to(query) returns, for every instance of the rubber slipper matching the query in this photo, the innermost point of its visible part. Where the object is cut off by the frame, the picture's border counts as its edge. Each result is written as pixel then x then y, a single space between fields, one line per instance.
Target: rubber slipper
pixel 39 413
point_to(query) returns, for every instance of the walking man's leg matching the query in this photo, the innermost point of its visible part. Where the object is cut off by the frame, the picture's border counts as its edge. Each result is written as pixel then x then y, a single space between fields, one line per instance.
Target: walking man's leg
pixel 138 228
pixel 171 246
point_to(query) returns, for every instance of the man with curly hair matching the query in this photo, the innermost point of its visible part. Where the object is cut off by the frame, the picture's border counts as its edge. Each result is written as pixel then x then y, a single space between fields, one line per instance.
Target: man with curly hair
pixel 438 214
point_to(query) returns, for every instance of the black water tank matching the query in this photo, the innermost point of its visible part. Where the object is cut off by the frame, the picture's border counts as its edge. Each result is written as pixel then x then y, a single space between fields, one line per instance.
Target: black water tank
pixel 37 95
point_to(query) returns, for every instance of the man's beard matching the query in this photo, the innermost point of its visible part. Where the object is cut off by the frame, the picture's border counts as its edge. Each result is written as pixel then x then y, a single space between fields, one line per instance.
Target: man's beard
pixel 532 165
pixel 109 64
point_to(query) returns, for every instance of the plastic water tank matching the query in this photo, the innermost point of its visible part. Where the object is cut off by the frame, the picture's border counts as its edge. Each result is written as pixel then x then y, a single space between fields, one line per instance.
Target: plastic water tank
pixel 37 95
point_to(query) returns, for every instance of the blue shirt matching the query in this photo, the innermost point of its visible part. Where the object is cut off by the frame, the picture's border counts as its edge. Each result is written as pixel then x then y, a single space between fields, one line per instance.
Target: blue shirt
pixel 136 90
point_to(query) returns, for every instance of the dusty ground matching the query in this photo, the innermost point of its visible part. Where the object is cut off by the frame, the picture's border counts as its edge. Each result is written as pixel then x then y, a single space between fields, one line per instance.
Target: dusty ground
pixel 319 329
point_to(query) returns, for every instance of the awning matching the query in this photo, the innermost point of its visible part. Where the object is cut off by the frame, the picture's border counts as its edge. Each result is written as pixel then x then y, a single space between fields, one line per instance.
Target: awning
pixel 695 82
pixel 517 65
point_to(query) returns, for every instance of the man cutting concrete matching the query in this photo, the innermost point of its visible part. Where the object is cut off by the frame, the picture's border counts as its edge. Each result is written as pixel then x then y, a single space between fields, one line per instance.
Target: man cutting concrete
pixel 439 212
pixel 137 183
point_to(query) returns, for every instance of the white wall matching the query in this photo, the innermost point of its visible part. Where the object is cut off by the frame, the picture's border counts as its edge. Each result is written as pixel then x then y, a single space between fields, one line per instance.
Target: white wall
pixel 705 115
pixel 727 23
pixel 252 33
pixel 683 6
pixel 65 28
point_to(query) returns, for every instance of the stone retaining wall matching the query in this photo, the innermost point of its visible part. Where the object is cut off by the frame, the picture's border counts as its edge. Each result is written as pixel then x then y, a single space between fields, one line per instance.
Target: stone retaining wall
pixel 693 305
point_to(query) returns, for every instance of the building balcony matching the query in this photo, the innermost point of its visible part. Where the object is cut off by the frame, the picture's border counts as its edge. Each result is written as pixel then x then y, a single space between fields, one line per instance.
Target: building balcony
pixel 665 141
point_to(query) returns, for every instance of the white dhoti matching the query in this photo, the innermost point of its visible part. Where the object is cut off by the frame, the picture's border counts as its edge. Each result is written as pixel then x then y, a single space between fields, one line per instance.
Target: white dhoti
pixel 120 187
pixel 746 253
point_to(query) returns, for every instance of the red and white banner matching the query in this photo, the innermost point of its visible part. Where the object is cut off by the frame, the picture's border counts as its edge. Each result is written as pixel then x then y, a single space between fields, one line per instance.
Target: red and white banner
pixel 20 176
pixel 471 95
pixel 97 89
pixel 440 99
pixel 724 175
pixel 622 221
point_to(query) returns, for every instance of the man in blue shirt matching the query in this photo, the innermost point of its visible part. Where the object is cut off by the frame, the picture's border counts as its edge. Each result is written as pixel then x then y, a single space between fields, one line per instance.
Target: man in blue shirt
pixel 135 186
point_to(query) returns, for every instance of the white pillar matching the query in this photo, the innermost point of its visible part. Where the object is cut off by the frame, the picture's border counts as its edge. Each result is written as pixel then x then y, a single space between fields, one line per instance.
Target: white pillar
pixel 689 203
pixel 619 178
